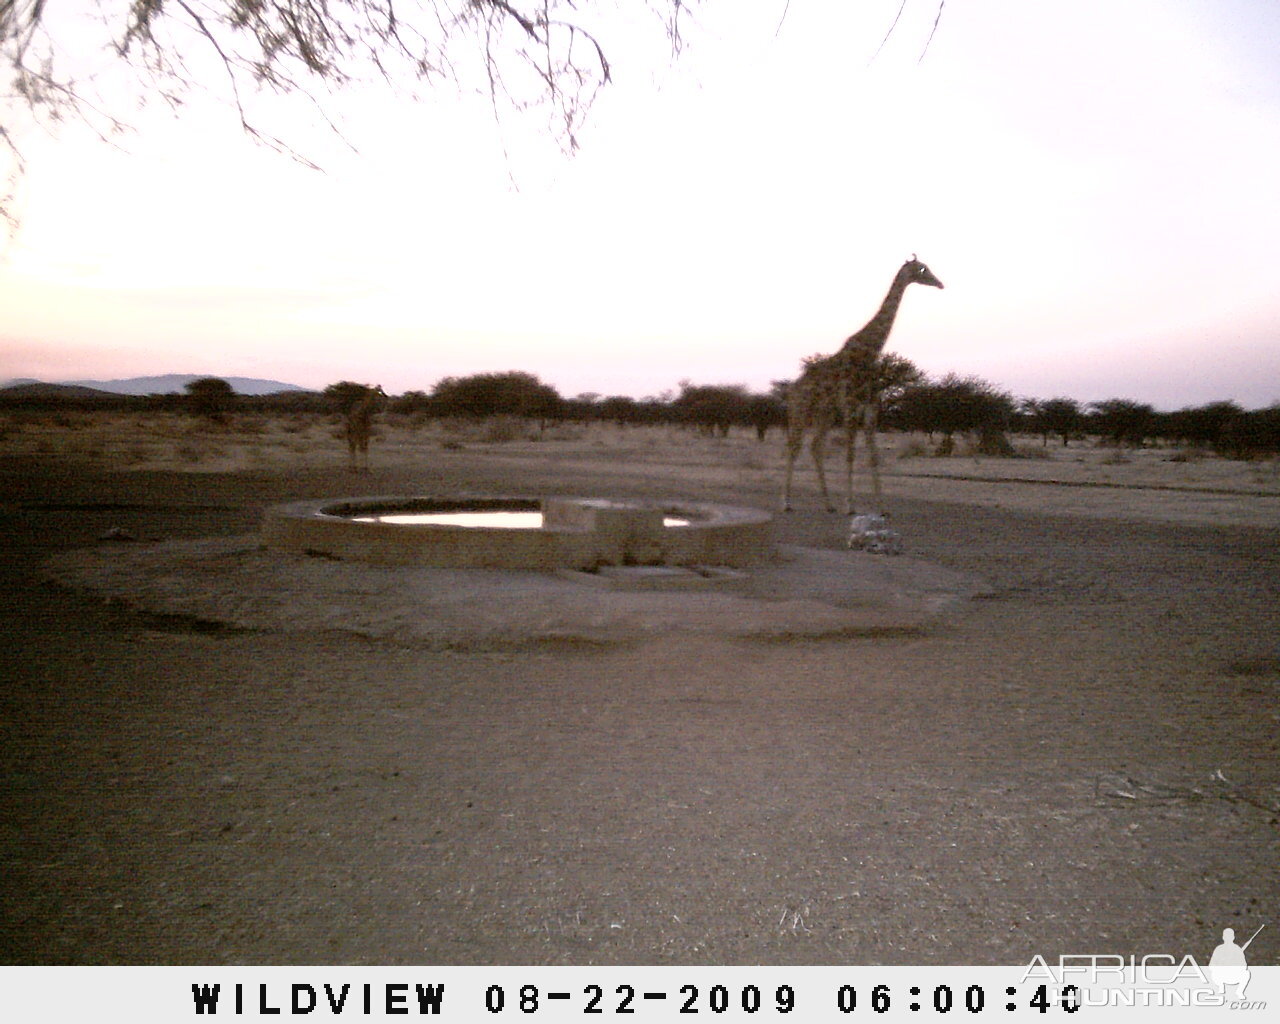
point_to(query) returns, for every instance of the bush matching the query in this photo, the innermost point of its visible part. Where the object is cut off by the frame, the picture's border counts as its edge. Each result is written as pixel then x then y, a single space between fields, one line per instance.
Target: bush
pixel 995 443
pixel 211 397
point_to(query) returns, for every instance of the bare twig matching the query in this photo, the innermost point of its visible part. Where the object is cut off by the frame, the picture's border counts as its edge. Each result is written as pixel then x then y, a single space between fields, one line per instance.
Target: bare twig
pixel 898 17
pixel 786 8
pixel 902 7
pixel 937 18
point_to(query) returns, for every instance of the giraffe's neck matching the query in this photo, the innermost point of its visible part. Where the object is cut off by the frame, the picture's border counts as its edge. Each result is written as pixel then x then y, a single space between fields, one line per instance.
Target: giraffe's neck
pixel 868 342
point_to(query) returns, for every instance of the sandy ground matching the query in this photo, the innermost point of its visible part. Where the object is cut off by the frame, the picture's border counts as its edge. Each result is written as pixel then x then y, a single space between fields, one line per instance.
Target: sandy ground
pixel 1082 758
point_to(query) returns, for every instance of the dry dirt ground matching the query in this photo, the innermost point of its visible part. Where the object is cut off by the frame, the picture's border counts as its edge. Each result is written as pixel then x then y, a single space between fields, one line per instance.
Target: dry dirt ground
pixel 1082 759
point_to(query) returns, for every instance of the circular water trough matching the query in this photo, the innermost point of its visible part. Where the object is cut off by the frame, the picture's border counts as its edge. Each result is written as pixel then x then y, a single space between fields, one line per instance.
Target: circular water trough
pixel 521 533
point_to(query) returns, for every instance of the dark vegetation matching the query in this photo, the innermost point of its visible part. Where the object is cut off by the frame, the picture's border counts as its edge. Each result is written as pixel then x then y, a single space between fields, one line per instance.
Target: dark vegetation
pixel 211 397
pixel 944 409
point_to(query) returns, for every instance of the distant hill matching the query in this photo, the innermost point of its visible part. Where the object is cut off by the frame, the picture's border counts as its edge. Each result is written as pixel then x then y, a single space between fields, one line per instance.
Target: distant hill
pixel 166 384
pixel 38 389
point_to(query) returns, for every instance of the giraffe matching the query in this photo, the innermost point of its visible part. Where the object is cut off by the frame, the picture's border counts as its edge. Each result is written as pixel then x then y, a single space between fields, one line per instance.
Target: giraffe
pixel 360 424
pixel 841 389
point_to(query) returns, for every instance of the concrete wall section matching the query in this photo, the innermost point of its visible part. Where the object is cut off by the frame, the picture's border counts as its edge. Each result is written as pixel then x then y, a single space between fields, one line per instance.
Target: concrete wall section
pixel 577 533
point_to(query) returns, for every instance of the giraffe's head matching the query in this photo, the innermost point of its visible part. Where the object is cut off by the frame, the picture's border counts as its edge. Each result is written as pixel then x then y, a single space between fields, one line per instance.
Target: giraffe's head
pixel 917 273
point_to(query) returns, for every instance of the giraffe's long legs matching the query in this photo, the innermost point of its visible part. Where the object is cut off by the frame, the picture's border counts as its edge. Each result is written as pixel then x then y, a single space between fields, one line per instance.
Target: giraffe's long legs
pixel 873 453
pixel 818 446
pixel 850 445
pixel 795 442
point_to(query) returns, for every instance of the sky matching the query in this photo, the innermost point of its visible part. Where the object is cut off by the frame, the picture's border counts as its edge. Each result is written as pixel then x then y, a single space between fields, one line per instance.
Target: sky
pixel 1094 182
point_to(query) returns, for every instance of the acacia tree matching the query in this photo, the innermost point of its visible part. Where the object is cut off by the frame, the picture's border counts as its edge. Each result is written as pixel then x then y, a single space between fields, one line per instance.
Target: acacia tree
pixel 712 408
pixel 769 409
pixel 894 375
pixel 1123 421
pixel 1251 434
pixel 1204 425
pixel 623 410
pixel 344 395
pixel 1060 416
pixel 480 395
pixel 210 396
pixel 956 405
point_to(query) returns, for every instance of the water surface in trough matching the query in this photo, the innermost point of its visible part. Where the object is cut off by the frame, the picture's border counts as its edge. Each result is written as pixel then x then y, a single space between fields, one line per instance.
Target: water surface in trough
pixel 492 519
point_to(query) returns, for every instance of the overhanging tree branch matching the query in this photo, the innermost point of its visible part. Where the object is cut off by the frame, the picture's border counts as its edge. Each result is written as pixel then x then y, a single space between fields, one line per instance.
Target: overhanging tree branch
pixel 527 55
pixel 530 53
